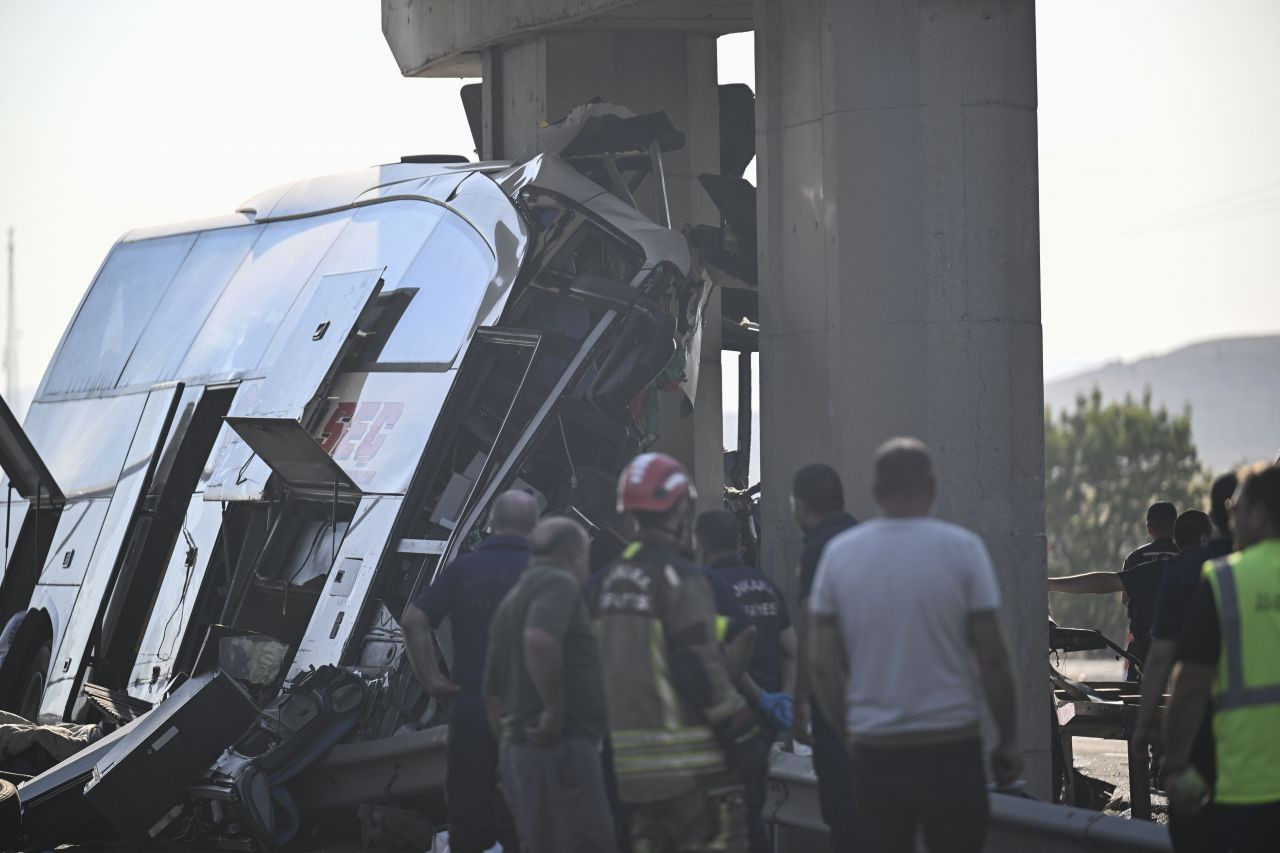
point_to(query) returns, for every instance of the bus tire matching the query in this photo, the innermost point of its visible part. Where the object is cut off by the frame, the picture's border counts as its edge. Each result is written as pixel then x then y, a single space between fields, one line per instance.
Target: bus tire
pixel 10 816
pixel 32 681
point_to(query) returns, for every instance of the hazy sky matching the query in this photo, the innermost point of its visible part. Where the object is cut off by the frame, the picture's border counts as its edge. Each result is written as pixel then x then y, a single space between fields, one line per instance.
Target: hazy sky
pixel 1159 146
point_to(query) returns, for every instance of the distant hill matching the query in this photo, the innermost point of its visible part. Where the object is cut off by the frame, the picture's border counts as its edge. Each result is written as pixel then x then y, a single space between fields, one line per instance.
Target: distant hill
pixel 1232 385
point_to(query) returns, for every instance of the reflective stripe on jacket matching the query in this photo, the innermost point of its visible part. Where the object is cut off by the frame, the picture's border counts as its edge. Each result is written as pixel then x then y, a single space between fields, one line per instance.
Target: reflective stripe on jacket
pixel 665 681
pixel 1246 690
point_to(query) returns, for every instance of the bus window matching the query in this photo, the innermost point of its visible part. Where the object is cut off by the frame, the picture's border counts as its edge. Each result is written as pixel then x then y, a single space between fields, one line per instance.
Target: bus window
pixel 186 303
pixel 112 316
pixel 268 281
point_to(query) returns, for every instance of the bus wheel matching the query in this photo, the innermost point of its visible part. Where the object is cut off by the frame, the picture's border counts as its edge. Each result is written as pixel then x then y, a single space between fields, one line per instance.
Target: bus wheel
pixel 10 819
pixel 32 681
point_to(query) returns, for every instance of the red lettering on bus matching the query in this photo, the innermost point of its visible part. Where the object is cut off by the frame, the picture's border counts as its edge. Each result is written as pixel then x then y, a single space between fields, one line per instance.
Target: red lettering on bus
pixel 336 428
pixel 356 431
pixel 375 439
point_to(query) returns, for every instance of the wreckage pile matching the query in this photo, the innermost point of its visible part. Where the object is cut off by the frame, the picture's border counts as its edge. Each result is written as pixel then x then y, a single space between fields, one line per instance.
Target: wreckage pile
pixel 204 766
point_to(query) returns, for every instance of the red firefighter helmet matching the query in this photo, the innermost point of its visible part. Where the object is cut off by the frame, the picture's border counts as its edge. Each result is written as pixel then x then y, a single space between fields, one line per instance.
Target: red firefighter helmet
pixel 653 482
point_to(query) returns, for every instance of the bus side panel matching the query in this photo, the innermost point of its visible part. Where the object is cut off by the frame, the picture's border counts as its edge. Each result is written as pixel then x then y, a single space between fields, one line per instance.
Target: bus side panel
pixel 171 614
pixel 347 586
pixel 73 542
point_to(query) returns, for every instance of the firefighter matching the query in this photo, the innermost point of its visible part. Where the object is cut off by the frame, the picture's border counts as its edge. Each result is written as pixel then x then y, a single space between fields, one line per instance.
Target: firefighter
pixel 683 738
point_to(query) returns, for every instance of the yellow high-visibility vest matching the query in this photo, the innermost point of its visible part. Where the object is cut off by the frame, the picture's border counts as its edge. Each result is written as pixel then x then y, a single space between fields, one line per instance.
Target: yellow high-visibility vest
pixel 1246 690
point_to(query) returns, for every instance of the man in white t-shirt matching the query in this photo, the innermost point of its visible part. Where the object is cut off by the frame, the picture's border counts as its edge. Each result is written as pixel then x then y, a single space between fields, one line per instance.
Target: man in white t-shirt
pixel 902 606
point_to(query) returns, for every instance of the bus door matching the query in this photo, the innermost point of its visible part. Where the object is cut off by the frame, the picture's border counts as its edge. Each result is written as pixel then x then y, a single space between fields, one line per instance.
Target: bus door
pixel 163 539
pixel 303 358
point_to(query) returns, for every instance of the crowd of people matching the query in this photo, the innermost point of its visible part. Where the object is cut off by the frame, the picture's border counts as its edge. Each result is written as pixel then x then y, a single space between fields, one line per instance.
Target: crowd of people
pixel 1204 607
pixel 634 707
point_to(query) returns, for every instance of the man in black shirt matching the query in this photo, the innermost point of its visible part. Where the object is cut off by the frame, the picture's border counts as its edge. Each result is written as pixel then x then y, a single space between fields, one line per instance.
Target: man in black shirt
pixel 772 666
pixel 1140 588
pixel 1192 533
pixel 468 591
pixel 817 501
pixel 770 673
pixel 1142 582
pixel 1179 580
pixel 1161 518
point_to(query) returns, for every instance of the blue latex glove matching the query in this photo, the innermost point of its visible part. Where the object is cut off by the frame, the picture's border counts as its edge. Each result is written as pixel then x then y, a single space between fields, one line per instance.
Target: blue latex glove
pixel 778 707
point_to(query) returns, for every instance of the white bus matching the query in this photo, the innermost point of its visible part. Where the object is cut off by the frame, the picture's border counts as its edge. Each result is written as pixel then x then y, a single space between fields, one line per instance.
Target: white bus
pixel 281 421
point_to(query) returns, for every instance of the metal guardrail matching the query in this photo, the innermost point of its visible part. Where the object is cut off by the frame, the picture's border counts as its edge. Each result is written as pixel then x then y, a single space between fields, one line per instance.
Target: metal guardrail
pixel 404 765
pixel 1017 823
pixel 413 764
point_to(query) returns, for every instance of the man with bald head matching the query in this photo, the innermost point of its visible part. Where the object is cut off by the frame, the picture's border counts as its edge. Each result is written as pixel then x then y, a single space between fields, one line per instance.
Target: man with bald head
pixel 544 691
pixel 467 592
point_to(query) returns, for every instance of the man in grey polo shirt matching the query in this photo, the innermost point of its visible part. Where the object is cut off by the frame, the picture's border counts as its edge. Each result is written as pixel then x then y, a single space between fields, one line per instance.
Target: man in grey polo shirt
pixel 900 604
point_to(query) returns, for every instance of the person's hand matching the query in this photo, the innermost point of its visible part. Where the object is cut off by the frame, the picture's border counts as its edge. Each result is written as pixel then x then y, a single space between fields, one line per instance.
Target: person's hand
pixel 780 709
pixel 800 721
pixel 547 730
pixel 442 689
pixel 1188 791
pixel 1006 763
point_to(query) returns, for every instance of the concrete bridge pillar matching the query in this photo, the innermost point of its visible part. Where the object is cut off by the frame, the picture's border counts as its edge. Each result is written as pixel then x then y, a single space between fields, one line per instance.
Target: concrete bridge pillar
pixel 900 280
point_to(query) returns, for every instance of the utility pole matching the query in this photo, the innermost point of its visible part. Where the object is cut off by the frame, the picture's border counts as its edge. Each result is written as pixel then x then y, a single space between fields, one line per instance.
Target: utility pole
pixel 10 347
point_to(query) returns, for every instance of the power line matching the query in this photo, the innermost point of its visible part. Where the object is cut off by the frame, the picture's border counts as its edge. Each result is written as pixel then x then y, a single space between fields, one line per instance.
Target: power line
pixel 1261 200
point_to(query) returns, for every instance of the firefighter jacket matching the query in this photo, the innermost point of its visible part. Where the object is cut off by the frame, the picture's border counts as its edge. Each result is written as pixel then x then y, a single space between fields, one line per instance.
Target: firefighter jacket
pixel 665 680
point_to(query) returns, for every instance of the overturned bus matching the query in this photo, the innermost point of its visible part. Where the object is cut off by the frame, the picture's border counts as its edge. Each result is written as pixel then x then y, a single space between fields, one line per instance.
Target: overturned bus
pixel 279 423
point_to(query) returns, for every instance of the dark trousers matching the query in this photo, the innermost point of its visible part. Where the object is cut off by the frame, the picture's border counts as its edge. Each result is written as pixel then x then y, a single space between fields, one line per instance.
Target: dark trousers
pixel 759 839
pixel 1250 829
pixel 557 795
pixel 478 815
pixel 835 791
pixel 1197 833
pixel 940 788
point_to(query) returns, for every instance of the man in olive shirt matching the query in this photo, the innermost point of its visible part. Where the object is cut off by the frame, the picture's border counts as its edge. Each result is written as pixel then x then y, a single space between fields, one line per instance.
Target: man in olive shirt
pixel 544 692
